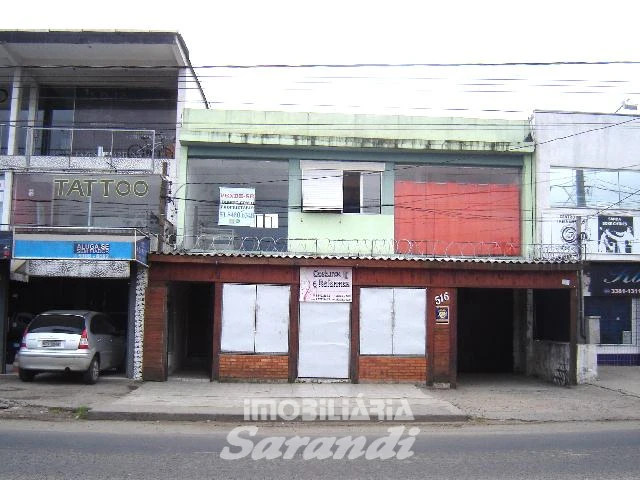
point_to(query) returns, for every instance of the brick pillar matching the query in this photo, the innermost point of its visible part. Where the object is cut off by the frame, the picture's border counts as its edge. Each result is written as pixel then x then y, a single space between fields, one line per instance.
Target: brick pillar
pixel 154 363
pixel 442 335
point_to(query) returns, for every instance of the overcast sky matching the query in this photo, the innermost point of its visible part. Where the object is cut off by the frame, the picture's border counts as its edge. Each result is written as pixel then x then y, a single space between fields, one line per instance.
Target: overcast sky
pixel 240 32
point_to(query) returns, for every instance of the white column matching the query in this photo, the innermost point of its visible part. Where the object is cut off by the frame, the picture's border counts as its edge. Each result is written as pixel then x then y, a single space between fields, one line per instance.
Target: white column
pixel 16 94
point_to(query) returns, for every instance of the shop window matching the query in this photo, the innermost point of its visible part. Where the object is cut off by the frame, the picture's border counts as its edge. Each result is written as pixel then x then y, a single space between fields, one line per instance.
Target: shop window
pixel 615 319
pixel 255 318
pixel 392 321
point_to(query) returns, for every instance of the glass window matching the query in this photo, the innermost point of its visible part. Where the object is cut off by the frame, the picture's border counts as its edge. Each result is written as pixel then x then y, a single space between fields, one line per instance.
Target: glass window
pixel 351 192
pixel 268 179
pixel 88 110
pixel 629 189
pixel 50 323
pixel 594 188
pixel 562 186
pixel 119 201
pixel 615 318
pixel 601 188
pixel 5 112
pixel 341 191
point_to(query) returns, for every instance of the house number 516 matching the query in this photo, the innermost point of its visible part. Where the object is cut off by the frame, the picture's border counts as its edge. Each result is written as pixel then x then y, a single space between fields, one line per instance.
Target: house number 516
pixel 443 297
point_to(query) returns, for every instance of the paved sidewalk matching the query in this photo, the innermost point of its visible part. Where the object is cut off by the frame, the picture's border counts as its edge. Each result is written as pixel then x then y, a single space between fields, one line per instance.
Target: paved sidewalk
pixel 492 398
pixel 196 400
pixel 614 396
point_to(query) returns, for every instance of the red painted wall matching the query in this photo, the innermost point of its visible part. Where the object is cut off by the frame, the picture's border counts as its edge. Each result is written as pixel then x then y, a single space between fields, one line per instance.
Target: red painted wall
pixel 458 219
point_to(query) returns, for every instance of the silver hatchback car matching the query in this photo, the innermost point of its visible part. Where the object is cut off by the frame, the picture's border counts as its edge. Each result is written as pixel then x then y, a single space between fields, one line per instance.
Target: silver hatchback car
pixel 70 341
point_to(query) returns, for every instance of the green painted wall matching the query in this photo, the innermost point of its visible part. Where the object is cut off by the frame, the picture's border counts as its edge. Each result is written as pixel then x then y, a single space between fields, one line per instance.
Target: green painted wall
pixel 341 234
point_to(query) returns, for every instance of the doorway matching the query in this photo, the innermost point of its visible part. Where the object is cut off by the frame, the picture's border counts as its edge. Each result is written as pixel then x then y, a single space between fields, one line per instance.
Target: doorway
pixel 190 329
pixel 485 330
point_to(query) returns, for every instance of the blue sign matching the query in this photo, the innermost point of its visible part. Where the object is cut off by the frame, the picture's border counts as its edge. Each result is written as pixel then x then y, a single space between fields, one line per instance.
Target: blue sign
pixel 142 250
pixel 68 249
pixel 615 279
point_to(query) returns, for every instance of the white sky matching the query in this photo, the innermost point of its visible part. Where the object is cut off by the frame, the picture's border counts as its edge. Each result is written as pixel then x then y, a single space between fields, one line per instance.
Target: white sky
pixel 396 31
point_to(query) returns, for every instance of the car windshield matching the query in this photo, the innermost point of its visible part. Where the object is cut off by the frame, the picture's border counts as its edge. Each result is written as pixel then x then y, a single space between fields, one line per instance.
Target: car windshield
pixel 57 324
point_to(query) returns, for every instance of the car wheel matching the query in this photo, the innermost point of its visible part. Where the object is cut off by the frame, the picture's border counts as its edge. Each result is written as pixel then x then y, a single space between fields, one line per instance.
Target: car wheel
pixel 93 373
pixel 26 375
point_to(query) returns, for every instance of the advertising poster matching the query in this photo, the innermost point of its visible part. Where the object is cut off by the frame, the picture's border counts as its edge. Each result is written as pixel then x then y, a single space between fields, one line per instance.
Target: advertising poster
pixel 237 207
pixel 325 284
pixel 615 234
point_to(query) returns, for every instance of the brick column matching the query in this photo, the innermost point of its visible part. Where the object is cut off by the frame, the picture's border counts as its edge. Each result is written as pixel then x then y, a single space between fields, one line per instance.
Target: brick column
pixel 442 335
pixel 154 363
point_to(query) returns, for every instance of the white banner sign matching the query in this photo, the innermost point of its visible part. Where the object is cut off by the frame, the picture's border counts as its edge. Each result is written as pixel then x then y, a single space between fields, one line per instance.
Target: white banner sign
pixel 325 284
pixel 237 206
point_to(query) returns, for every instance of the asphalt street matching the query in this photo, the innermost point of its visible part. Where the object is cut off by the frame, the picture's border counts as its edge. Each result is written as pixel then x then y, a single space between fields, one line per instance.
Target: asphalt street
pixel 157 450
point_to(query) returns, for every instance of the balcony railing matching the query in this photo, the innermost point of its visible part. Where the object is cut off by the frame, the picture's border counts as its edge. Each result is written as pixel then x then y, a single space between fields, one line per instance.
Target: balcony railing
pixel 89 142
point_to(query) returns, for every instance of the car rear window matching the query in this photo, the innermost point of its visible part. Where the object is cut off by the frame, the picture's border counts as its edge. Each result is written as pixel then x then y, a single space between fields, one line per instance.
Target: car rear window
pixel 57 324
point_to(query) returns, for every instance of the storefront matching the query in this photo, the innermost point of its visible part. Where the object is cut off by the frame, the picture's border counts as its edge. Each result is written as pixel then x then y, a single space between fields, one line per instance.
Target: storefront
pixel 612 308
pixel 80 242
pixel 297 318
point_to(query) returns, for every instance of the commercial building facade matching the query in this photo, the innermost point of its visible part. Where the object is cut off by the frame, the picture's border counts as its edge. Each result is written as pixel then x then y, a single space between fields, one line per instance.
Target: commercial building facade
pixel 87 128
pixel 589 196
pixel 357 248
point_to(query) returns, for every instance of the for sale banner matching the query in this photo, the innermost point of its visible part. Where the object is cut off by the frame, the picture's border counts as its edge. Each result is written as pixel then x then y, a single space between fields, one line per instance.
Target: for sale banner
pixel 237 207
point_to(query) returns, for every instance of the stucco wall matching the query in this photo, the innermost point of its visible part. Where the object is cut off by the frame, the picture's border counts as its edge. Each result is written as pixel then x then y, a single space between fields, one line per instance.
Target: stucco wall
pixel 549 358
pixel 357 234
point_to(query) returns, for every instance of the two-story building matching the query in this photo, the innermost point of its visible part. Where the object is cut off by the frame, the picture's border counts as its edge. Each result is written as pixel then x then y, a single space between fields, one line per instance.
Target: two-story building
pixel 358 248
pixel 588 192
pixel 88 121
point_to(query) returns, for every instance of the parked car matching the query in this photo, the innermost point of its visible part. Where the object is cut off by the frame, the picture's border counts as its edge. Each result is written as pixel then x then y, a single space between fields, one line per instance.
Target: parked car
pixel 71 341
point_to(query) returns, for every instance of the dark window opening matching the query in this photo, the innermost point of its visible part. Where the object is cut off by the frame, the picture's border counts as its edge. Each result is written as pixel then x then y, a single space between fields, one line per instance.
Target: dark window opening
pixel 351 192
pixel 551 315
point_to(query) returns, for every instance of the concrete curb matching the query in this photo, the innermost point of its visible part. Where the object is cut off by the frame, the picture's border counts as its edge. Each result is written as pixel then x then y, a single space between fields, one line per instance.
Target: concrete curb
pixel 240 418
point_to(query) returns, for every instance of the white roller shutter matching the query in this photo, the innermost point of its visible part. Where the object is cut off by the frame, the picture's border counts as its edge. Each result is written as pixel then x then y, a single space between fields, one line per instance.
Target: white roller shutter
pixel 322 190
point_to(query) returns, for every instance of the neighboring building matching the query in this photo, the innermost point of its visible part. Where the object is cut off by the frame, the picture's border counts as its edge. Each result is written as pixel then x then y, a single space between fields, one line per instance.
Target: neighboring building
pixel 87 144
pixel 357 247
pixel 588 189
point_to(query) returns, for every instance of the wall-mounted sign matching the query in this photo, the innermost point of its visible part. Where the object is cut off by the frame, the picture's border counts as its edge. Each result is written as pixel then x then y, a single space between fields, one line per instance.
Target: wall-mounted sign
pixel 33 246
pixel 105 187
pixel 74 200
pixel 442 314
pixel 621 279
pixel 615 234
pixel 237 206
pixel 325 284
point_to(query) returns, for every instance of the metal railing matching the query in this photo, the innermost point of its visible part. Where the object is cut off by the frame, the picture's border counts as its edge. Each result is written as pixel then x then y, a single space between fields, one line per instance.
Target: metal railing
pixel 89 142
pixel 380 248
